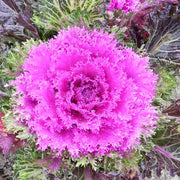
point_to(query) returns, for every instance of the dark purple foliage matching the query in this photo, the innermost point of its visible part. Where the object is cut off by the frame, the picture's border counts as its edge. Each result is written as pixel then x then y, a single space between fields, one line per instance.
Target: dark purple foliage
pixel 157 25
pixel 174 109
pixel 23 18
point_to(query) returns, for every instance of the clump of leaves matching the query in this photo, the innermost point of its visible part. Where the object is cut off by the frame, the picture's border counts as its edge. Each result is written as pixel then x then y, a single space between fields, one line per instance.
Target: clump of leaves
pixel 55 14
pixel 22 20
pixel 166 84
pixel 157 28
pixel 121 36
pixel 108 167
pixel 166 153
pixel 26 166
pixel 117 22
pixel 117 18
pixel 34 164
pixel 10 67
pixel 18 54
pixel 173 109
pixel 8 141
pixel 67 167
pixel 11 122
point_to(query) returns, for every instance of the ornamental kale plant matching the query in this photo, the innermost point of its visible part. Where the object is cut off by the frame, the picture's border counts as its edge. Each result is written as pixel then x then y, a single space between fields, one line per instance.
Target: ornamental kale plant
pixel 91 89
pixel 82 92
pixel 125 5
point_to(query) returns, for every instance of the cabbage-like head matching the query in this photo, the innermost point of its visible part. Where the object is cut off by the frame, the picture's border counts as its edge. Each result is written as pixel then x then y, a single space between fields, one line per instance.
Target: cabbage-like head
pixel 82 92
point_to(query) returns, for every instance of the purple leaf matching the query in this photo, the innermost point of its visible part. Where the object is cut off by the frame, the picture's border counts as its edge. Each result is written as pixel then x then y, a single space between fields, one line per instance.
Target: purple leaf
pixel 6 143
pixel 157 25
pixel 23 18
pixel 9 143
pixel 12 5
pixel 174 109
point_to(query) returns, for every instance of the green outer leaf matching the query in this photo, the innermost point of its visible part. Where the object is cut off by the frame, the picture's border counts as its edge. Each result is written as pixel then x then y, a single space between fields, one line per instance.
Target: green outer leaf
pixel 54 15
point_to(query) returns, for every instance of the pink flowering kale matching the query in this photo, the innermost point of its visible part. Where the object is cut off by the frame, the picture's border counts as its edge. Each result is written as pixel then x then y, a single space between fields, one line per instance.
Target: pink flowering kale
pixel 125 5
pixel 83 93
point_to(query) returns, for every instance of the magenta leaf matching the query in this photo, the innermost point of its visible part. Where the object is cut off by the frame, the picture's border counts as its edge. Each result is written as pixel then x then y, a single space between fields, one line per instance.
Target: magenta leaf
pixel 6 143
